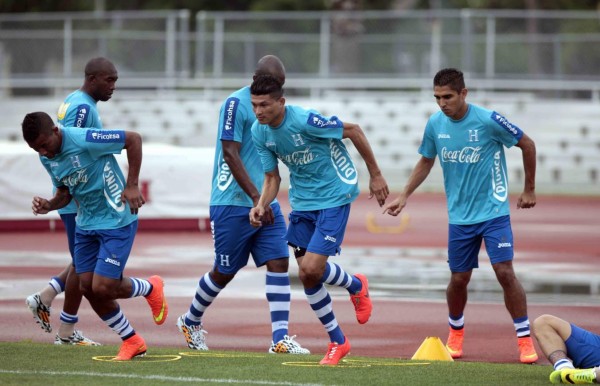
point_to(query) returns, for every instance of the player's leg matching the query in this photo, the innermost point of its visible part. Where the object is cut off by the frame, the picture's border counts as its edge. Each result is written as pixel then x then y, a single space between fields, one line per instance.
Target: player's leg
pixel 68 316
pixel 270 249
pixel 498 237
pixel 110 249
pixel 312 267
pixel 551 333
pixel 232 236
pixel 463 249
pixel 40 302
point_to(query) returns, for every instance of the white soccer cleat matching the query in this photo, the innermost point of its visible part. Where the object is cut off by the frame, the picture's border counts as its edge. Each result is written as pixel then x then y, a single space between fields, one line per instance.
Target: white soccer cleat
pixel 40 312
pixel 287 346
pixel 77 339
pixel 194 335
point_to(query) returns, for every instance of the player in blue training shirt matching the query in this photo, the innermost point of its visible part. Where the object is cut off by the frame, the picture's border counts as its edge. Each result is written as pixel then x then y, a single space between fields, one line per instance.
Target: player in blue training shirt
pixel 78 110
pixel 237 176
pixel 469 141
pixel 323 183
pixel 82 167
pixel 568 347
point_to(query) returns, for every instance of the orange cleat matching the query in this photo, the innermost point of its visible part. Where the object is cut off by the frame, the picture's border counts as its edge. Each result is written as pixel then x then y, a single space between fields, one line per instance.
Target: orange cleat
pixel 157 301
pixel 527 350
pixel 455 342
pixel 362 301
pixel 335 352
pixel 132 347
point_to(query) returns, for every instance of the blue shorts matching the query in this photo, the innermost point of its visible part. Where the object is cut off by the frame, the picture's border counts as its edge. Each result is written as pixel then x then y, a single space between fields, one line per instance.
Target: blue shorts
pixel 104 251
pixel 464 243
pixel 319 231
pixel 68 220
pixel 583 347
pixel 235 239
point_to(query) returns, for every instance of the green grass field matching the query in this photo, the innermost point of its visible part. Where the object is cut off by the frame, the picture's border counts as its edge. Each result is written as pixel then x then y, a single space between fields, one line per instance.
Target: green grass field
pixel 27 363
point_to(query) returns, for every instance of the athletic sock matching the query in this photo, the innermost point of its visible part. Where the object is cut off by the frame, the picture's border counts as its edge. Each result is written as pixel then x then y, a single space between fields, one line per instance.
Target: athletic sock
pixel 335 275
pixel 522 326
pixel 320 302
pixel 456 322
pixel 278 295
pixel 206 292
pixel 140 287
pixel 118 322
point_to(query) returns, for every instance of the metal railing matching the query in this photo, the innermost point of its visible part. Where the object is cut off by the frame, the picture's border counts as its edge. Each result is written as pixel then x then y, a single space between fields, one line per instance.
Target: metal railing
pixel 551 52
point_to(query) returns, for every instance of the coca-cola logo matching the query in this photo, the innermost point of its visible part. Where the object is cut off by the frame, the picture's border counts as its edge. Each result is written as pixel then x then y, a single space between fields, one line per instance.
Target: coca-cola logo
pixel 301 157
pixel 468 155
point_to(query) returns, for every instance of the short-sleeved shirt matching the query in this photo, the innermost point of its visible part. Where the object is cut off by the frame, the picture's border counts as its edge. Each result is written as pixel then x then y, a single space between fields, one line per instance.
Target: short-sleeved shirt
pixel 322 173
pixel 78 110
pixel 471 154
pixel 235 122
pixel 87 166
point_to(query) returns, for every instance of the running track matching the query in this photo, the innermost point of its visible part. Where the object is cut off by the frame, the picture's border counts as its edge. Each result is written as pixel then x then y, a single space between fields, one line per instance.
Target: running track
pixel 556 240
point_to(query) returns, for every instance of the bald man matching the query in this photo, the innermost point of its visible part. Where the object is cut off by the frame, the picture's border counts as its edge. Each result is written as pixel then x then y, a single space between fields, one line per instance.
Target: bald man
pixel 78 110
pixel 237 178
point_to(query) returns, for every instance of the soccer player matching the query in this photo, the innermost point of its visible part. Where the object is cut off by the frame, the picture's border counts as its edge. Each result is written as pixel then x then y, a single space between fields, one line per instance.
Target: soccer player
pixel 469 141
pixel 568 347
pixel 237 176
pixel 78 110
pixel 82 166
pixel 323 182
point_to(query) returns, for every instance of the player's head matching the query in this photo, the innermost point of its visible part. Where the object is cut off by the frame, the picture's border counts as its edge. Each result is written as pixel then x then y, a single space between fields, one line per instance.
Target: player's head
pixel 100 79
pixel 268 102
pixel 450 77
pixel 270 65
pixel 41 134
pixel 450 92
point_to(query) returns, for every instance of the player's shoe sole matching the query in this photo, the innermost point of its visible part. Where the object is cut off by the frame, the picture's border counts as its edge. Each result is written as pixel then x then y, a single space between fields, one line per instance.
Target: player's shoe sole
pixel 40 312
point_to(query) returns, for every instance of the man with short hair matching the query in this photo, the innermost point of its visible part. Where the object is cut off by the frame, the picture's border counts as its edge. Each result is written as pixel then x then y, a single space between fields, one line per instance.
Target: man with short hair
pixel 78 110
pixel 469 140
pixel 573 351
pixel 324 183
pixel 82 166
pixel 237 176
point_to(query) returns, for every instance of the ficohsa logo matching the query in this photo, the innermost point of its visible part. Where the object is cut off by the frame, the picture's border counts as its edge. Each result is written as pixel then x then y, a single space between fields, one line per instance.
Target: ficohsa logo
pixel 318 121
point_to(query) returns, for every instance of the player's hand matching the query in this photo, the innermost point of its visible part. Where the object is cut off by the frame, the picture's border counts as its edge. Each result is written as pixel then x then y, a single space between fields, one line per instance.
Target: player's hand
pixel 378 187
pixel 40 205
pixel 268 217
pixel 395 207
pixel 133 197
pixel 526 200
pixel 256 216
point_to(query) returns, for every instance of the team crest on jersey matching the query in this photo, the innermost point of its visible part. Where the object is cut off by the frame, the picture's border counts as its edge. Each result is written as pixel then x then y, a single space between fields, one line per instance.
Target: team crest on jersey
pixel 75 161
pixel 316 120
pixel 62 111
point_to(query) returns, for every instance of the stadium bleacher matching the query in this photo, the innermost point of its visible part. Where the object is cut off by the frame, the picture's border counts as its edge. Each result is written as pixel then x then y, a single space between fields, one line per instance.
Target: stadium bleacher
pixel 567 133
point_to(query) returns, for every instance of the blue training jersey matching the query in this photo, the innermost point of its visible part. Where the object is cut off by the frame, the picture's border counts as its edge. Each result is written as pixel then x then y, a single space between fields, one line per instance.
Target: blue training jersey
pixel 235 122
pixel 78 110
pixel 322 174
pixel 87 166
pixel 471 154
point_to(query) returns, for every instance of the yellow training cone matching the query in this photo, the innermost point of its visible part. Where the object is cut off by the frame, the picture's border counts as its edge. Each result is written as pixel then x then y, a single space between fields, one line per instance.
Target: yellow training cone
pixel 432 349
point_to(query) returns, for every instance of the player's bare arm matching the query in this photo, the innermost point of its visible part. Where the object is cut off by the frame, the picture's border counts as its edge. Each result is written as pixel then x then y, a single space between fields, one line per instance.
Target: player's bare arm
pixel 259 215
pixel 132 193
pixel 527 199
pixel 377 184
pixel 417 176
pixel 231 155
pixel 41 205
